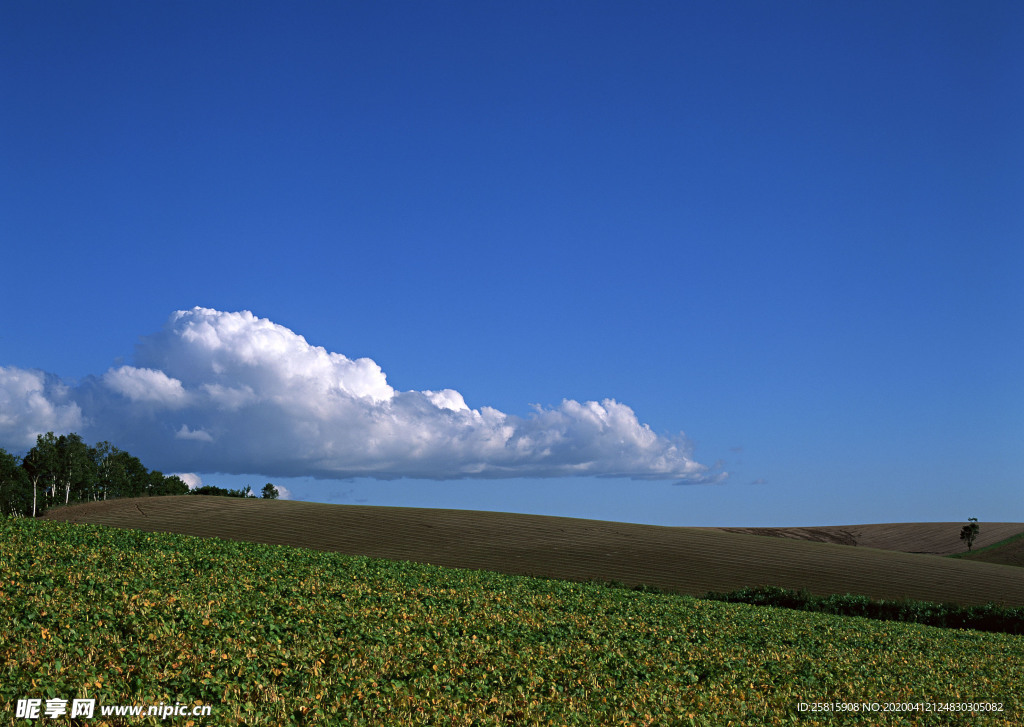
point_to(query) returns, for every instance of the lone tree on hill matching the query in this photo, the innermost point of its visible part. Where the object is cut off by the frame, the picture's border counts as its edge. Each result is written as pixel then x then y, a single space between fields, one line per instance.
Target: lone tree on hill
pixel 970 532
pixel 269 492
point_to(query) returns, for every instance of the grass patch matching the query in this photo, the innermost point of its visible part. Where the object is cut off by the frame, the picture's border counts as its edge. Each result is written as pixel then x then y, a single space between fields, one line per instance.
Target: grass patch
pixel 274 635
pixel 988 548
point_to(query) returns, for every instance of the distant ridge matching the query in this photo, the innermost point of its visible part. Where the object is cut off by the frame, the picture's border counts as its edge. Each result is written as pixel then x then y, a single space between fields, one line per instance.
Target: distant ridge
pixel 931 538
pixel 684 560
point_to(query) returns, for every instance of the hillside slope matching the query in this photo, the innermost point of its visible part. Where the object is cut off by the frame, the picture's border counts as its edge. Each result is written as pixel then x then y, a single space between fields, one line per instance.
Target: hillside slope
pixel 1010 553
pixel 931 538
pixel 685 560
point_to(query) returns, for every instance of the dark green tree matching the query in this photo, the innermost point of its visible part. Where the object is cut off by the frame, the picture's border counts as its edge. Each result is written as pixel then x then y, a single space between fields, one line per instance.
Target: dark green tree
pixel 15 489
pixel 970 532
pixel 161 484
pixel 221 491
pixel 102 459
pixel 40 465
pixel 155 483
pixel 209 490
pixel 269 492
pixel 128 476
pixel 64 469
pixel 76 472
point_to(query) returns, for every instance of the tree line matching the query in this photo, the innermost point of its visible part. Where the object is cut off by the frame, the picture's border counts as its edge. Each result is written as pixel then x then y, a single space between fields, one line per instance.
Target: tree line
pixel 61 470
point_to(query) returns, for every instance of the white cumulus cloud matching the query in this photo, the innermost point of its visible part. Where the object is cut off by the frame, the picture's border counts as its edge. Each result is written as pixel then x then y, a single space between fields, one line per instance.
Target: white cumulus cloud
pixel 189 478
pixel 146 385
pixel 33 403
pixel 196 434
pixel 283 493
pixel 229 392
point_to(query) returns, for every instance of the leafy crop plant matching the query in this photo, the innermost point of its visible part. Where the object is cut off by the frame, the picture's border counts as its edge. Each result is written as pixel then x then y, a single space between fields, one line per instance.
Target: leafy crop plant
pixel 273 635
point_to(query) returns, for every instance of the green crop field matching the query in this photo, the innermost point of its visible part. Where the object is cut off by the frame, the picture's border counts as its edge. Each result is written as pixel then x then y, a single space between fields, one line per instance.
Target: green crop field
pixel 275 635
pixel 690 561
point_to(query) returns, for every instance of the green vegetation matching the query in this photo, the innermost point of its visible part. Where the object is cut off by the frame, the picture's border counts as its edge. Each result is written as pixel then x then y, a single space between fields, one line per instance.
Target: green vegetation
pixel 997 548
pixel 269 492
pixel 989 617
pixel 221 491
pixel 15 496
pixel 65 470
pixel 970 531
pixel 273 635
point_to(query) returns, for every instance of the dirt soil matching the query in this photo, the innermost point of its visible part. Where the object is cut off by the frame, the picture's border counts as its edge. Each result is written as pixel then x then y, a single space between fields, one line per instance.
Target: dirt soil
pixel 930 538
pixel 849 559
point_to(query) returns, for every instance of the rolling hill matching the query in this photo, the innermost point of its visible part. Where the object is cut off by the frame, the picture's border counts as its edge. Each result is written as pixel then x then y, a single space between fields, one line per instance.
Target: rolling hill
pixel 930 538
pixel 685 560
pixel 1009 552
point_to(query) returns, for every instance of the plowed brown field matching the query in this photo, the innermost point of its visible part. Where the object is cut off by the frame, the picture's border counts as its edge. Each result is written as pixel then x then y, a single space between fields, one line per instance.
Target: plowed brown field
pixel 1010 554
pixel 931 538
pixel 686 560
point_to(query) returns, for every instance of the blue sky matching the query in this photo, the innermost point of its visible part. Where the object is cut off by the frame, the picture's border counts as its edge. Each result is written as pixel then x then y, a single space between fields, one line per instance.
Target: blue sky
pixel 793 231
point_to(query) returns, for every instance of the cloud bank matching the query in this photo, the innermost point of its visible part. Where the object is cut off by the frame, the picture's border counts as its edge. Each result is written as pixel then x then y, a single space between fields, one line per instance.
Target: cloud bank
pixel 232 393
